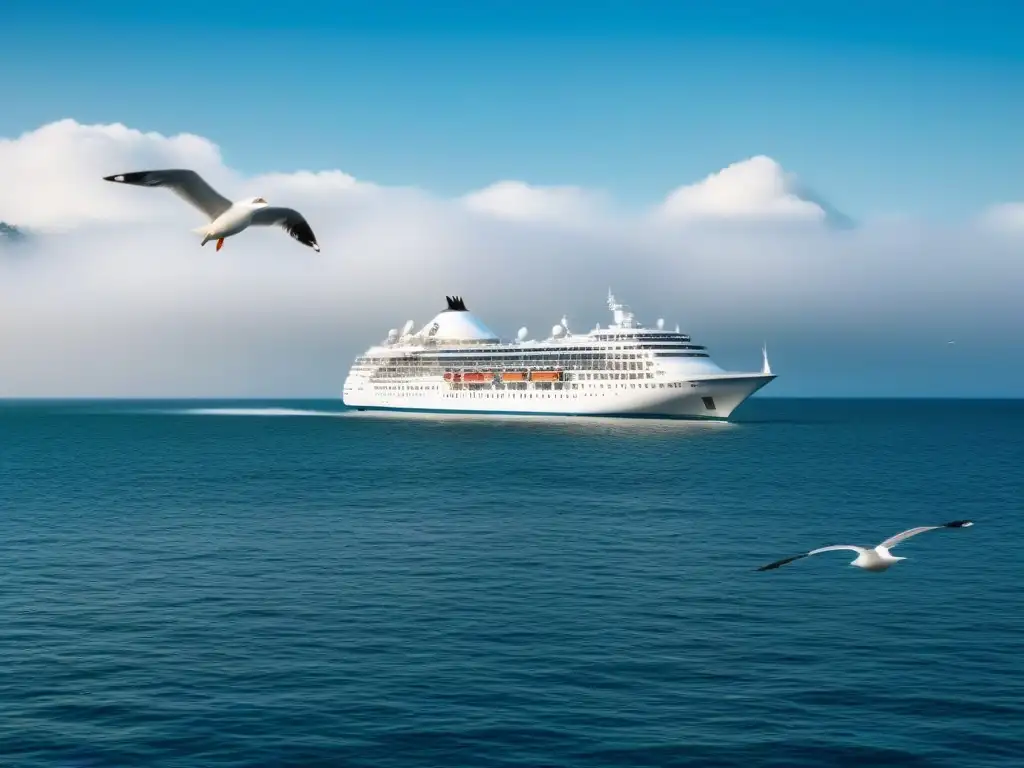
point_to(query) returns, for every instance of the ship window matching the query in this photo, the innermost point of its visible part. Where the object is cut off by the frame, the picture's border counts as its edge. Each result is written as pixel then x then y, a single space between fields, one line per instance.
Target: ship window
pixel 709 403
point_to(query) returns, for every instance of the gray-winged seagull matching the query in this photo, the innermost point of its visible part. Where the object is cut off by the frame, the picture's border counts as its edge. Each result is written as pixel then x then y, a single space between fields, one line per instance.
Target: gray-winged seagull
pixel 226 218
pixel 877 559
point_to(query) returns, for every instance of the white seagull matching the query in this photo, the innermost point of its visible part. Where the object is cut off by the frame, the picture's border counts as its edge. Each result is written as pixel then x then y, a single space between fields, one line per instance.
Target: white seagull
pixel 877 559
pixel 226 218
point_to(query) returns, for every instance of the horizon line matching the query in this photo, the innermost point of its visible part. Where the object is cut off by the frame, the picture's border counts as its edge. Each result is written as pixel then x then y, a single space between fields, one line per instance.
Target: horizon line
pixel 281 398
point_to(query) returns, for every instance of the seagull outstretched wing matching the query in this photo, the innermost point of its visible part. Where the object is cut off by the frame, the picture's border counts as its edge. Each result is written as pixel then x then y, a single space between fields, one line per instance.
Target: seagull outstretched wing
pixel 830 548
pixel 892 541
pixel 186 184
pixel 291 220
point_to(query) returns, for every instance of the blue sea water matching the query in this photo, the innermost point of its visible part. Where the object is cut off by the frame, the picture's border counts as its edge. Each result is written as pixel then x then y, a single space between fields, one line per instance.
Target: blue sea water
pixel 287 584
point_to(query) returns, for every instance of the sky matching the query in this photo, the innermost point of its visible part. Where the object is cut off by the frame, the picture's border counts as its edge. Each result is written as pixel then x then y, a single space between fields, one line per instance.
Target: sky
pixel 845 183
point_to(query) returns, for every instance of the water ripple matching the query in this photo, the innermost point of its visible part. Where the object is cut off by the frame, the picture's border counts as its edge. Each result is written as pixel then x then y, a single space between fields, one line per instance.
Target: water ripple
pixel 185 589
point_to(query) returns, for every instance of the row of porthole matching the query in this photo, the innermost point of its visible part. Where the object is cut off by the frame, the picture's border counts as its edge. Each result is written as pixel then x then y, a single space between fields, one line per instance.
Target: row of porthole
pixel 474 393
pixel 498 395
pixel 645 385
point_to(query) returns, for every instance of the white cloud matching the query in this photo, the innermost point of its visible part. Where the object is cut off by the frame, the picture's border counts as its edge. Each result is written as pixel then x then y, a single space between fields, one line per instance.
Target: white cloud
pixel 1005 217
pixel 52 175
pixel 117 298
pixel 520 201
pixel 757 188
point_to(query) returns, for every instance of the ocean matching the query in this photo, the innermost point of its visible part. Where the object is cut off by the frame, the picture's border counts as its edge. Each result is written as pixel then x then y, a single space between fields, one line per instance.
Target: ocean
pixel 291 584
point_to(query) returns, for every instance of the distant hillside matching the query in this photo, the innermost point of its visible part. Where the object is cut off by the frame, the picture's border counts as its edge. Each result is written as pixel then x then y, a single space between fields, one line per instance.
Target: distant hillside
pixel 10 233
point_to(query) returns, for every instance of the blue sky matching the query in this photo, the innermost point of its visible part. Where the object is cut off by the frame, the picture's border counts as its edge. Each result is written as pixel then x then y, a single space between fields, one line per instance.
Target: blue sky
pixel 909 110
pixel 882 108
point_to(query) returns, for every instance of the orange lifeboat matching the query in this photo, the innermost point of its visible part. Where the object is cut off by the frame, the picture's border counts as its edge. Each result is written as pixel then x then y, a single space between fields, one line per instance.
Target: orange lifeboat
pixel 513 376
pixel 452 376
pixel 546 376
pixel 475 378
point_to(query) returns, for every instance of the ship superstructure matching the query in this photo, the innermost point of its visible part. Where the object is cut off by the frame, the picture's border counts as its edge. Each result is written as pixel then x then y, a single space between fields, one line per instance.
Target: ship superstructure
pixel 455 363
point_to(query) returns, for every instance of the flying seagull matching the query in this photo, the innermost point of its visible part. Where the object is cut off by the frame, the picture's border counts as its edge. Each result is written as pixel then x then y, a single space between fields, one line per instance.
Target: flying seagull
pixel 226 218
pixel 877 559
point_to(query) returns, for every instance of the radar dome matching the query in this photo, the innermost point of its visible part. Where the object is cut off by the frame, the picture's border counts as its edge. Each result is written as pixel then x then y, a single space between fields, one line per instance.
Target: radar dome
pixel 393 334
pixel 661 323
pixel 557 331
pixel 522 333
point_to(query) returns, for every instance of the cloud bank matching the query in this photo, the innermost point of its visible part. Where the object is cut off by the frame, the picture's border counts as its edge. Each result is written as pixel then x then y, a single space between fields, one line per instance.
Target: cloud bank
pixel 110 294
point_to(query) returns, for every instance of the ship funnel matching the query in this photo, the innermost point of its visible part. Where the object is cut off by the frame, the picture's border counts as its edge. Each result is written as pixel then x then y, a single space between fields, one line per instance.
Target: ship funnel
pixel 407 328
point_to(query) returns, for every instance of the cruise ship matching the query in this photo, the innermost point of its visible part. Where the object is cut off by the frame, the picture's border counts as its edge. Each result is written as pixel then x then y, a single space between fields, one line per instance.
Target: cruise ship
pixel 456 364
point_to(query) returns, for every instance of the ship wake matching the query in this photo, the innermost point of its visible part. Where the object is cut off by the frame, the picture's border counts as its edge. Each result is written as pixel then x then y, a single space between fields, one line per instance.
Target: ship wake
pixel 276 412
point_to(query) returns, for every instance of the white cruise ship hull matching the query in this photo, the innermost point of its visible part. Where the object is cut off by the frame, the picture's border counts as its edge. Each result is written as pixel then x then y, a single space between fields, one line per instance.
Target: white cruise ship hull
pixel 713 397
pixel 456 364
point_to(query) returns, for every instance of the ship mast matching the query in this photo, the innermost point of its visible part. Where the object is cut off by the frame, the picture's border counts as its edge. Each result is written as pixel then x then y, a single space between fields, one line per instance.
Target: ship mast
pixel 620 312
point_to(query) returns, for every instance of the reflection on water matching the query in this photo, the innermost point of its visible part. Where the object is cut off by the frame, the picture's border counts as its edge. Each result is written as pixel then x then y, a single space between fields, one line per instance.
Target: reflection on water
pixel 615 424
